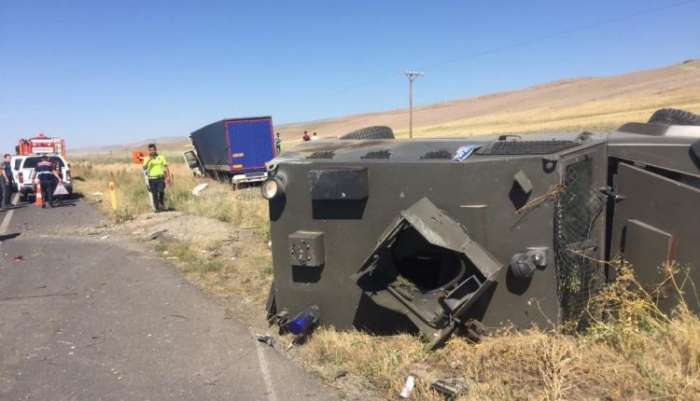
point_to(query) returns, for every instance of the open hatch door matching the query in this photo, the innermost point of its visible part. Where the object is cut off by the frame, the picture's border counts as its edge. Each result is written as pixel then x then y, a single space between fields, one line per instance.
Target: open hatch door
pixel 656 222
pixel 426 266
pixel 193 162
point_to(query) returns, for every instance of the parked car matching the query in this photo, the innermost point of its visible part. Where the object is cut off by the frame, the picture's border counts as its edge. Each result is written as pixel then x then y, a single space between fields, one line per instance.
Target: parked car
pixel 23 167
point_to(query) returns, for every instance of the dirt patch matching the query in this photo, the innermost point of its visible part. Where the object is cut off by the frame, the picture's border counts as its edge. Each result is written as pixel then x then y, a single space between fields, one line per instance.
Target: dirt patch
pixel 176 226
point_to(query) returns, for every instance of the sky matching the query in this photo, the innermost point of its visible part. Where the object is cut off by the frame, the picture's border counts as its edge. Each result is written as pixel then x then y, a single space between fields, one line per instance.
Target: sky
pixel 122 71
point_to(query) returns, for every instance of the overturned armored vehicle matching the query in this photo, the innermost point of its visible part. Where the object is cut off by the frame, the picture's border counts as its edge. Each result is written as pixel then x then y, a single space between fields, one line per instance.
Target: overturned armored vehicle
pixel 429 235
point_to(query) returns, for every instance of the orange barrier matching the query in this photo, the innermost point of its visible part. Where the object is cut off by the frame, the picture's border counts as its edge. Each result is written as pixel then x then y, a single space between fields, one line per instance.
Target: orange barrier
pixel 38 200
pixel 137 156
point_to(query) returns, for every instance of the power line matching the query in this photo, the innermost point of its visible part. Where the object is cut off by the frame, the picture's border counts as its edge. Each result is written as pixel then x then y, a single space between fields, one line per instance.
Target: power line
pixel 561 33
pixel 516 45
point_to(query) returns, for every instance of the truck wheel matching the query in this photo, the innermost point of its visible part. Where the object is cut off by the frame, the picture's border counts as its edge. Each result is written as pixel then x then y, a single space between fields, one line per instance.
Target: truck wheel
pixel 377 132
pixel 674 117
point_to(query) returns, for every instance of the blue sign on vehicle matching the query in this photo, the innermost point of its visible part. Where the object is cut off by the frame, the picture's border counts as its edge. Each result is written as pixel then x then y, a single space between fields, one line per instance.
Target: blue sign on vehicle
pixel 251 143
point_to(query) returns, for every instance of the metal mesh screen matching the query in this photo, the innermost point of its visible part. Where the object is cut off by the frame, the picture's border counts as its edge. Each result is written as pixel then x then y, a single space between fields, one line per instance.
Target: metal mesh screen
pixel 525 147
pixel 329 154
pixel 577 207
pixel 440 154
pixel 380 154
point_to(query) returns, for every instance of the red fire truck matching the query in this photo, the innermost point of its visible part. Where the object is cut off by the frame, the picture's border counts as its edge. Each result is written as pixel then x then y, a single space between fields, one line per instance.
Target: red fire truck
pixel 42 144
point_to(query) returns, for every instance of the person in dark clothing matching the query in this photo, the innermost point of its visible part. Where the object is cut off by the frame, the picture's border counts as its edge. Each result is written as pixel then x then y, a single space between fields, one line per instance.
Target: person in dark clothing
pixel 306 137
pixel 6 183
pixel 48 177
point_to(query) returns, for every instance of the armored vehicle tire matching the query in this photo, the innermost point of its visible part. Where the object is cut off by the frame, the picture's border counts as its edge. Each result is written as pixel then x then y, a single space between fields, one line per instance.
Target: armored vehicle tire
pixel 674 117
pixel 377 132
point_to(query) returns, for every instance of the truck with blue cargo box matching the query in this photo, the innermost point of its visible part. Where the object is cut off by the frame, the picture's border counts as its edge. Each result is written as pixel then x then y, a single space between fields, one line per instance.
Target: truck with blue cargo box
pixel 234 150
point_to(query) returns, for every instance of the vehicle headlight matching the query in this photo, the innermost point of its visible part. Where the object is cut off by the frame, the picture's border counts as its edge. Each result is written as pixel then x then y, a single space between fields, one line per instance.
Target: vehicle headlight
pixel 271 188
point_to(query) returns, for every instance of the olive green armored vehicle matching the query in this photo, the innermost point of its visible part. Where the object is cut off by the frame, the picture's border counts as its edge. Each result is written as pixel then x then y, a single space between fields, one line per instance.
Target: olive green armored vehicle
pixel 431 235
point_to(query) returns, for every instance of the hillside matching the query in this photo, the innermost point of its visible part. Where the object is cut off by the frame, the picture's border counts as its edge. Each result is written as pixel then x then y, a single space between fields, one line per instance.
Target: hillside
pixel 591 103
pixel 594 103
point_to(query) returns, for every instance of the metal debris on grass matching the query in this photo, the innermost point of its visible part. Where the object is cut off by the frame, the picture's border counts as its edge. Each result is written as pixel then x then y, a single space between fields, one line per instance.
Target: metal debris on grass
pixel 265 338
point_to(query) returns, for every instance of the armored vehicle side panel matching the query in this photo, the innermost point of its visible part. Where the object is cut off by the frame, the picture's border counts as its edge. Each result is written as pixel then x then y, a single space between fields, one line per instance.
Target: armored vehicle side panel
pixel 427 235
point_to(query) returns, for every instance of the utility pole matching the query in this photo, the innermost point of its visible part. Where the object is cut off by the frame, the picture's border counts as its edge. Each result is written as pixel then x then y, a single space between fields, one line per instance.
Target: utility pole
pixel 411 75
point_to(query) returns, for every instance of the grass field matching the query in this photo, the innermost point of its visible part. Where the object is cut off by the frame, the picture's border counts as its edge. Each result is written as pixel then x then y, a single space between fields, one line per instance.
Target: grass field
pixel 600 115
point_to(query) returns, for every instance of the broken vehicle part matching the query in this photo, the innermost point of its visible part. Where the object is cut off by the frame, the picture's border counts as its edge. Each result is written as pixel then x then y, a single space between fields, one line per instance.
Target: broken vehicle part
pixel 426 259
pixel 304 322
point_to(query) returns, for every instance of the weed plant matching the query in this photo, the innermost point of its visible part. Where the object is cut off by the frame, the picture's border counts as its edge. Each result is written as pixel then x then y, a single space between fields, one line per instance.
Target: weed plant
pixel 630 351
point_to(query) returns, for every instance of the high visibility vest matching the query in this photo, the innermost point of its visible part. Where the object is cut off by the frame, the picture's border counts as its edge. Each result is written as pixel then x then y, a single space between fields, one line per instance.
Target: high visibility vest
pixel 155 166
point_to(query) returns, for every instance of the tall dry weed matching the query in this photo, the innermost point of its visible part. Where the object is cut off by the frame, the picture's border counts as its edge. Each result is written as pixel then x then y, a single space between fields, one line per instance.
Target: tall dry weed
pixel 630 351
pixel 665 348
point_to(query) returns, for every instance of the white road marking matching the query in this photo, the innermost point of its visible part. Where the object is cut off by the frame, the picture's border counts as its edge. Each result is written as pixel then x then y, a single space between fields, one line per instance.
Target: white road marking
pixel 8 216
pixel 270 389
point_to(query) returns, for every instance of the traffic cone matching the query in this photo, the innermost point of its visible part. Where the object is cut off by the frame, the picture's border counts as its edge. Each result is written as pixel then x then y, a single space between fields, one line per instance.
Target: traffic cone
pixel 38 199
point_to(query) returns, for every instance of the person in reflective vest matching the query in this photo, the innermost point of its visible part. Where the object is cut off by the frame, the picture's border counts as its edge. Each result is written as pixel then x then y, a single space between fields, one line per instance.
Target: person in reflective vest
pixel 156 168
pixel 45 172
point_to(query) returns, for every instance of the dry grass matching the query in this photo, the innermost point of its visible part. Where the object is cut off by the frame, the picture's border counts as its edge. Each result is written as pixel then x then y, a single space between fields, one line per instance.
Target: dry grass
pixel 218 201
pixel 637 353
pixel 604 114
pixel 224 271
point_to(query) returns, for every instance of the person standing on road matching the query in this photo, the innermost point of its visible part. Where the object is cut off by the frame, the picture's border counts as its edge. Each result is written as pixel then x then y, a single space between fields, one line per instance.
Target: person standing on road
pixel 5 183
pixel 278 143
pixel 7 166
pixel 45 172
pixel 158 173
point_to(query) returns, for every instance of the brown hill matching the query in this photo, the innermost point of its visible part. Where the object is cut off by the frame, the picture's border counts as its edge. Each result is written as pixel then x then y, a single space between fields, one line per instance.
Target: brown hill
pixel 590 103
pixel 596 103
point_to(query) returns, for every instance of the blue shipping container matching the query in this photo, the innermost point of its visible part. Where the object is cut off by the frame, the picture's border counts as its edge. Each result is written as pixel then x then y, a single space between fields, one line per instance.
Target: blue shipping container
pixel 250 143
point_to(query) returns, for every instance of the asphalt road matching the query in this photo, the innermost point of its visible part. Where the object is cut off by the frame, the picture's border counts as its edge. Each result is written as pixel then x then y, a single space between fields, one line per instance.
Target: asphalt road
pixel 85 318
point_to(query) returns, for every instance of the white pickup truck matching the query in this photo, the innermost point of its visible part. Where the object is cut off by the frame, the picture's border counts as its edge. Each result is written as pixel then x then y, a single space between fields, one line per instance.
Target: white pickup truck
pixel 23 166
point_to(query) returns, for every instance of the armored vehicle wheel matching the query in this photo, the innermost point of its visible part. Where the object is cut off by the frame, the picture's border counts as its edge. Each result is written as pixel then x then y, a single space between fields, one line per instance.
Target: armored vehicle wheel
pixel 674 117
pixel 377 132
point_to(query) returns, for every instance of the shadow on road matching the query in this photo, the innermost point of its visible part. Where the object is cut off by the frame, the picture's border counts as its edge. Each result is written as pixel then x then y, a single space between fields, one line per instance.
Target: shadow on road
pixel 22 206
pixel 9 236
pixel 63 203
